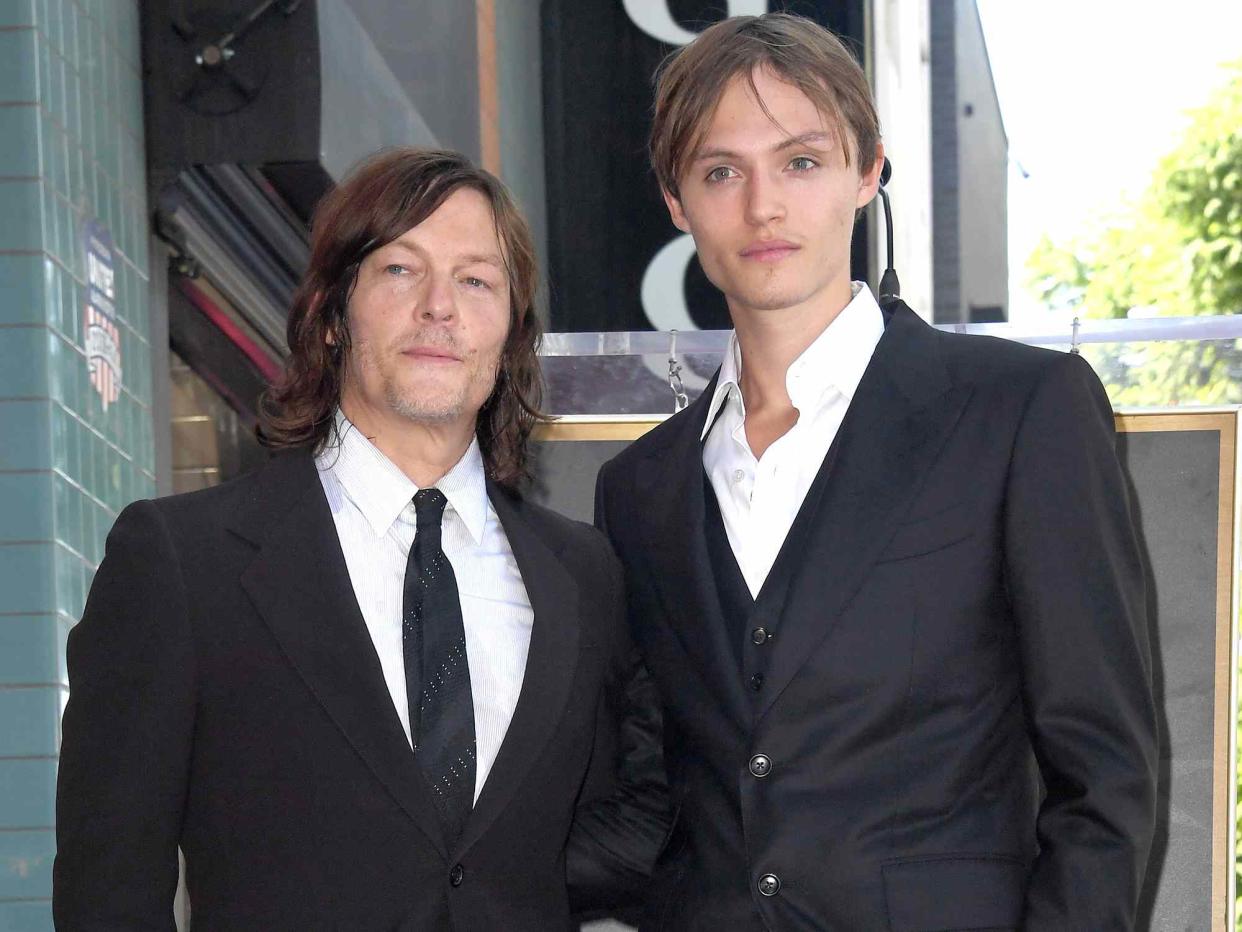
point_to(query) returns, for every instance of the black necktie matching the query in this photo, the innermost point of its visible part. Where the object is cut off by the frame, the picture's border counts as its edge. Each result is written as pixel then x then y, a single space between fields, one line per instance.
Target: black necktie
pixel 437 673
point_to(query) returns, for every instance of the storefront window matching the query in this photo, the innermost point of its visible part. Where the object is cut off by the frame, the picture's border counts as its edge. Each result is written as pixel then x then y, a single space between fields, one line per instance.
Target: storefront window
pixel 210 442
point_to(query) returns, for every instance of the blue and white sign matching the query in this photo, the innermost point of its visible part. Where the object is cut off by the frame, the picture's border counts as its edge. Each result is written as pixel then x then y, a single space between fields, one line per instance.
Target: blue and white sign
pixel 101 336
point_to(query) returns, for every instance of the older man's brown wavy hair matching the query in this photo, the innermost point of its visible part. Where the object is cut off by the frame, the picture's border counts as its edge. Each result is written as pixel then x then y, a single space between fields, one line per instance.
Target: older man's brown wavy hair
pixel 383 198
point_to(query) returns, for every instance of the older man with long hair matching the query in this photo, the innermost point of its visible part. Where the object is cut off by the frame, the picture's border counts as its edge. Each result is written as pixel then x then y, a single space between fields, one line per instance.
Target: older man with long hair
pixel 358 688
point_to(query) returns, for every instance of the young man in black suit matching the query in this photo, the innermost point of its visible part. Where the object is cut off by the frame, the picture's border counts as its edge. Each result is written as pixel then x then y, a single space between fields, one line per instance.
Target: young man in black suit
pixel 885 579
pixel 358 687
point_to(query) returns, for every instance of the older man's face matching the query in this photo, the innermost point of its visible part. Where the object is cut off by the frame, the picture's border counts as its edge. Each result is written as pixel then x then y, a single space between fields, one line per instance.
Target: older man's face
pixel 428 319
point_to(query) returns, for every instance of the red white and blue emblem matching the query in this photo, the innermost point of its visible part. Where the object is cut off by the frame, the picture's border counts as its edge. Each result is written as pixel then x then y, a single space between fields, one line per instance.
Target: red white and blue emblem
pixel 100 335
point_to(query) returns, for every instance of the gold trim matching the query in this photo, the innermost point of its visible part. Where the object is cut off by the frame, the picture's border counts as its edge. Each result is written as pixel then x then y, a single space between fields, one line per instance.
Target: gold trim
pixel 595 430
pixel 1224 421
pixel 1226 424
pixel 1223 789
pixel 489 90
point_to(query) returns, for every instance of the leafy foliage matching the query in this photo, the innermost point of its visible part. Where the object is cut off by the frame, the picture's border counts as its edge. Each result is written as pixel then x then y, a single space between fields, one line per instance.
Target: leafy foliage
pixel 1176 251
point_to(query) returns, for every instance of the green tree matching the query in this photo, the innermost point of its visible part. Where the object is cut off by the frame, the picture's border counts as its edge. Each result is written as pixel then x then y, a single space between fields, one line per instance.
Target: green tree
pixel 1175 252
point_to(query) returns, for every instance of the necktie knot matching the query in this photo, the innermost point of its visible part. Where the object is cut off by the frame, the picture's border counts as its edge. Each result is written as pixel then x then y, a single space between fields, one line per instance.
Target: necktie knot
pixel 429 508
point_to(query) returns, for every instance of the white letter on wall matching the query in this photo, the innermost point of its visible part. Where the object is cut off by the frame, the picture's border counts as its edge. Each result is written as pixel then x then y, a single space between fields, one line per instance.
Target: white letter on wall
pixel 663 291
pixel 653 17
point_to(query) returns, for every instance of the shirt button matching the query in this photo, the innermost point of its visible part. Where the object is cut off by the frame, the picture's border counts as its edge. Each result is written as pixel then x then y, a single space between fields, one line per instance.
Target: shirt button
pixel 756 682
pixel 760 765
pixel 457 875
pixel 759 635
pixel 769 885
pixel 738 475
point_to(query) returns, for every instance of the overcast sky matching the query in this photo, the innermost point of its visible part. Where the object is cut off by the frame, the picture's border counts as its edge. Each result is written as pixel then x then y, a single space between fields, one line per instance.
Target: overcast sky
pixel 1093 93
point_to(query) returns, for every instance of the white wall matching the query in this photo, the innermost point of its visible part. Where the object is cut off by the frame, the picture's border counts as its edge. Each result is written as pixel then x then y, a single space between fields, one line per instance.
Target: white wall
pixel 983 165
pixel 901 76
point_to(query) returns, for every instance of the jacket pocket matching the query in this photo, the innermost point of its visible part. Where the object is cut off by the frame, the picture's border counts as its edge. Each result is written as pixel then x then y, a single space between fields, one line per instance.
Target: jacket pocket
pixel 952 893
pixel 932 533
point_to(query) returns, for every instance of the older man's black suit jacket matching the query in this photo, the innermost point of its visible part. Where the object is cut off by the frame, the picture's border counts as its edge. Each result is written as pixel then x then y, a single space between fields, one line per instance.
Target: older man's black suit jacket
pixel 226 698
pixel 963 614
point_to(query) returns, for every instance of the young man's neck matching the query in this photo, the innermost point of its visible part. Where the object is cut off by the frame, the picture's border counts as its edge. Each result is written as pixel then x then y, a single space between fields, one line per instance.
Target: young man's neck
pixel 771 341
pixel 424 451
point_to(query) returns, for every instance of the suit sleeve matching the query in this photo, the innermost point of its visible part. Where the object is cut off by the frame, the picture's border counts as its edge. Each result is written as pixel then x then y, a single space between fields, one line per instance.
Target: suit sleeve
pixel 617 836
pixel 126 734
pixel 1077 590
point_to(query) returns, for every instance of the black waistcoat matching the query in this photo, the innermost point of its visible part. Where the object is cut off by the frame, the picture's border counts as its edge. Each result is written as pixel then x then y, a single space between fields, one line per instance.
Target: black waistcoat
pixel 754 622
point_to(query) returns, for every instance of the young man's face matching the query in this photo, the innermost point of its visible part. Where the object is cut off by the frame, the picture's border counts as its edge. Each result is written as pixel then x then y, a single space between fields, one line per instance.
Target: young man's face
pixel 770 201
pixel 428 319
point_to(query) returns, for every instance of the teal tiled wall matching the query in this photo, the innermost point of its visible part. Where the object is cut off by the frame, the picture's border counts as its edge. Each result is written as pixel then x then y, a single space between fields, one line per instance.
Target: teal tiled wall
pixel 71 150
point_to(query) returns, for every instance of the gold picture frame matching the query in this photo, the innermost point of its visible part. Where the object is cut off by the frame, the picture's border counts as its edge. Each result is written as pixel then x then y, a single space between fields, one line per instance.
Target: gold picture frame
pixel 1223 421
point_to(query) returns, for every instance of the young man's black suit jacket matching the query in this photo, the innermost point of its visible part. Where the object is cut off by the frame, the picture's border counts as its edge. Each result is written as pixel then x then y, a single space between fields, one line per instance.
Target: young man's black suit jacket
pixel 964 612
pixel 226 698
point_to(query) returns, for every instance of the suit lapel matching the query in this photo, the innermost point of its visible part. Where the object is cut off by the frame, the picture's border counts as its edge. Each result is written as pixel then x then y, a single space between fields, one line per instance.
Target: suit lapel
pixel 300 585
pixel 672 515
pixel 551 663
pixel 896 426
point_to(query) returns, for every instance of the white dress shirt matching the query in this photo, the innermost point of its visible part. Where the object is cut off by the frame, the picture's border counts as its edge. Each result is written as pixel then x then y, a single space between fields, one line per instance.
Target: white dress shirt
pixel 759 498
pixel 372 505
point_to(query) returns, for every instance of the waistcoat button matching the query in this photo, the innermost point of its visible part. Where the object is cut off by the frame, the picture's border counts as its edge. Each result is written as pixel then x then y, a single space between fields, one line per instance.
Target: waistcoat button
pixel 769 885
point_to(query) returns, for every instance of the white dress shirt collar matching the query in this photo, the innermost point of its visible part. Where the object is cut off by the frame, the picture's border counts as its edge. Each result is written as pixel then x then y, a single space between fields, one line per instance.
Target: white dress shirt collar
pixel 381 491
pixel 836 359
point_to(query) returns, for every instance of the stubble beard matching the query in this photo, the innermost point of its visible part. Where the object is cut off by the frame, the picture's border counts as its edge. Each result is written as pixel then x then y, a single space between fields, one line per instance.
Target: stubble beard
pixel 770 294
pixel 421 407
pixel 769 301
pixel 437 403
pixel 440 404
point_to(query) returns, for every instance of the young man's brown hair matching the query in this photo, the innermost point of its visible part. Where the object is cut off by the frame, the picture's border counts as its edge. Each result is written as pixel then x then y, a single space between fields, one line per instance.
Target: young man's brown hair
pixel 797 50
pixel 382 198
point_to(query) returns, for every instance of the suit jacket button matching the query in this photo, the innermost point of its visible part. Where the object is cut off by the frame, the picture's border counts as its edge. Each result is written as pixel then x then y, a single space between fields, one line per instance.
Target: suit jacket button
pixel 759 635
pixel 457 875
pixel 769 885
pixel 760 765
pixel 756 682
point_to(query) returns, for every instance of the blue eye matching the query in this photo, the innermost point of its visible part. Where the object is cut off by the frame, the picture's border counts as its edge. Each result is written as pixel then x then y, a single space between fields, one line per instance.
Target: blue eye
pixel 802 164
pixel 476 282
pixel 723 173
pixel 395 269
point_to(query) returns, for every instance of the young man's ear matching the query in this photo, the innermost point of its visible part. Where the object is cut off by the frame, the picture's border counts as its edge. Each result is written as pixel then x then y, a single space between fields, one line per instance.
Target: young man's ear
pixel 673 203
pixel 869 179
